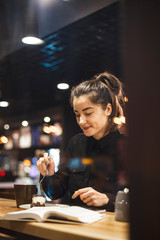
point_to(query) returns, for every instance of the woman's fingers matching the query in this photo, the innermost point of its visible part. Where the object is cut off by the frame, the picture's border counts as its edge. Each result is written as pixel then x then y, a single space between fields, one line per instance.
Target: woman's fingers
pixel 91 197
pixel 85 194
pixel 50 166
pixel 41 165
pixel 80 191
pixel 46 156
pixel 46 165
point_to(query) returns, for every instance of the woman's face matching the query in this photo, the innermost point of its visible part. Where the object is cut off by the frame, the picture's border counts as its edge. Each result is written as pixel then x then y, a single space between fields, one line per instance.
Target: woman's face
pixel 91 118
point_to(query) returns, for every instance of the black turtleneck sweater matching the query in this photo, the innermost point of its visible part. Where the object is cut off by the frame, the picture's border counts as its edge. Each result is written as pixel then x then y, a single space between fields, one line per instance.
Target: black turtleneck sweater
pixel 88 163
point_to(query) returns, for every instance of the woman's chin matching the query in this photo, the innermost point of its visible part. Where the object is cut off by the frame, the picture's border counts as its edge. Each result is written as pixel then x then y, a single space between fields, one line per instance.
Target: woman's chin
pixel 87 134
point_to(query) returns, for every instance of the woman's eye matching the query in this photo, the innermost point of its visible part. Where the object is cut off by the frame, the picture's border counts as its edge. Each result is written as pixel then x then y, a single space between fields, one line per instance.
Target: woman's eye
pixel 87 114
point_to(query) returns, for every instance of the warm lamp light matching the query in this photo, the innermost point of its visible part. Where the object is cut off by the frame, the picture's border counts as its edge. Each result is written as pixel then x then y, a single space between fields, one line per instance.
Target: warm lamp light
pixel 3 139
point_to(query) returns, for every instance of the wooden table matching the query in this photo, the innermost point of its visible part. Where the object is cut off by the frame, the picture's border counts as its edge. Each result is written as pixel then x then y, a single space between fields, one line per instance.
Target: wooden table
pixel 107 228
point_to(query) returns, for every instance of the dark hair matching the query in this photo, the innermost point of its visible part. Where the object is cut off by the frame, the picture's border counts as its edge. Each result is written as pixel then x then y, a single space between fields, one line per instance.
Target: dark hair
pixel 102 89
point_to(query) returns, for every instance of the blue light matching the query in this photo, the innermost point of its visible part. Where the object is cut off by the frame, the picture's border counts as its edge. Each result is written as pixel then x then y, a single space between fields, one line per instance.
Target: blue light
pixel 34 160
pixel 46 64
pixel 46 51
pixel 52 64
pixel 55 68
pixel 49 49
pixel 51 37
pixel 52 44
pixel 51 58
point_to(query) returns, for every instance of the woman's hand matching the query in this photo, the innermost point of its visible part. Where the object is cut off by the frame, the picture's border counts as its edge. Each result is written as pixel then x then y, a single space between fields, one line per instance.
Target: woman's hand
pixel 91 197
pixel 46 165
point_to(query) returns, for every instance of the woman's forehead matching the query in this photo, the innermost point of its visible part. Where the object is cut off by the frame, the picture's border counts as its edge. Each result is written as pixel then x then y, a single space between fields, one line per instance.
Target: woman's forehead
pixel 83 102
pixel 84 99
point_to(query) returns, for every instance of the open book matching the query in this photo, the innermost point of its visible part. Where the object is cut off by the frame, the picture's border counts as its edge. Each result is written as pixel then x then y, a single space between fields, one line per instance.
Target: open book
pixel 40 214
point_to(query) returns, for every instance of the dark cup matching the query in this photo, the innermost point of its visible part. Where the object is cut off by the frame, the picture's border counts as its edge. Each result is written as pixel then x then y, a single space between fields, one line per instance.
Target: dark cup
pixel 24 193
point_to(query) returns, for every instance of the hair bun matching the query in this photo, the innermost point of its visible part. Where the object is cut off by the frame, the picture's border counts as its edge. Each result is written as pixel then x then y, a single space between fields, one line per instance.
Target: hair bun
pixel 111 82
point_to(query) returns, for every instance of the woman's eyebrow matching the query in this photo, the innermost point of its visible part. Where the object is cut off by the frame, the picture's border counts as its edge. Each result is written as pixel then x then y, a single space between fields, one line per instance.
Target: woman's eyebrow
pixel 88 108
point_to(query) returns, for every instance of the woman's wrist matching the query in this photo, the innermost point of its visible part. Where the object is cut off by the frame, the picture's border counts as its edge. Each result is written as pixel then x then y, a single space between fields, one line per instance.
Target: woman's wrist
pixel 106 199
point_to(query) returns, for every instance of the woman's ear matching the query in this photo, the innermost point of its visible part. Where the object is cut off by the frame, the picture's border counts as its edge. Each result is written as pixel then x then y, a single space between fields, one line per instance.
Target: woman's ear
pixel 108 110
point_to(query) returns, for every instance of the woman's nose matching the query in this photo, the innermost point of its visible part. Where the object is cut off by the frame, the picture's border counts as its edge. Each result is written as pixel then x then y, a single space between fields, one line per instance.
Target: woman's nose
pixel 82 120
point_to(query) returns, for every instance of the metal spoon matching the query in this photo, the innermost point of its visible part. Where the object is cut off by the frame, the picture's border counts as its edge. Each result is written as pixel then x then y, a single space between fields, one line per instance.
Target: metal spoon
pixel 45 173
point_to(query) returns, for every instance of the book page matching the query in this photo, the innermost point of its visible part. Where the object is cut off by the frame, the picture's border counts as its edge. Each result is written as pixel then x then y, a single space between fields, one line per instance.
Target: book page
pixel 74 213
pixel 36 213
pixel 40 214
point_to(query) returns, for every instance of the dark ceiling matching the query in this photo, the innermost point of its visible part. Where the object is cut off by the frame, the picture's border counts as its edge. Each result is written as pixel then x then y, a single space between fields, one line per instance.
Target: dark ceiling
pixel 29 75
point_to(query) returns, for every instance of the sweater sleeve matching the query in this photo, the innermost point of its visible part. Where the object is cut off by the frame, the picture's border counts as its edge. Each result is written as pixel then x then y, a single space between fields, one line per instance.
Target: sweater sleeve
pixel 55 186
pixel 111 204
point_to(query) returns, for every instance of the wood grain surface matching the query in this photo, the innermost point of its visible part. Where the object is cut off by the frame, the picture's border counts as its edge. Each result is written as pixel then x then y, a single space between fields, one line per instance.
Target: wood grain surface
pixel 107 228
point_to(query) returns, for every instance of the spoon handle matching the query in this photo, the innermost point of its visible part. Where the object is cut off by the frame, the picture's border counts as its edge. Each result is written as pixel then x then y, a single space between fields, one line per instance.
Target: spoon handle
pixel 45 173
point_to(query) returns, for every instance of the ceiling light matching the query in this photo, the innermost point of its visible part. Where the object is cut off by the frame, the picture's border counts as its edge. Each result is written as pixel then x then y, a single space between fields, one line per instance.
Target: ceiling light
pixel 24 123
pixel 47 119
pixel 31 25
pixel 4 104
pixel 63 86
pixel 6 126
pixel 32 40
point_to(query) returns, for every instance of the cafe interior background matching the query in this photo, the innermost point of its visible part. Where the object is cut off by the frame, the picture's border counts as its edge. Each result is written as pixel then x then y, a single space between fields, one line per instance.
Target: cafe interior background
pixel 80 38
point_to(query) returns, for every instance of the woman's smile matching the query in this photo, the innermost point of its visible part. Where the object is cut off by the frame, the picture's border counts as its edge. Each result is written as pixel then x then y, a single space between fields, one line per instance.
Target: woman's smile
pixel 85 128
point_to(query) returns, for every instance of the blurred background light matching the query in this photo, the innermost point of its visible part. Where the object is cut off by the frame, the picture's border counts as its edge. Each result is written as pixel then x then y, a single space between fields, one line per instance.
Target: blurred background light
pixel 32 40
pixel 125 99
pixel 119 120
pixel 4 104
pixel 6 126
pixel 3 139
pixel 25 123
pixel 63 86
pixel 47 119
pixel 27 162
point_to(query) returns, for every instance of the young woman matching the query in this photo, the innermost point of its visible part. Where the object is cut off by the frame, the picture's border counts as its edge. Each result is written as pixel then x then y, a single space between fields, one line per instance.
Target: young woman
pixel 89 176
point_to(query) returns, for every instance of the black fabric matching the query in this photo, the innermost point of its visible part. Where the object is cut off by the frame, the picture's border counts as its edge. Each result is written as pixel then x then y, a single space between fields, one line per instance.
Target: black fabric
pixel 88 163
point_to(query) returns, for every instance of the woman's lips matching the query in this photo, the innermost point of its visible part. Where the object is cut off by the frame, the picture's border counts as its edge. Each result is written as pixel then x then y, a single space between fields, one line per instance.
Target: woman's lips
pixel 85 128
